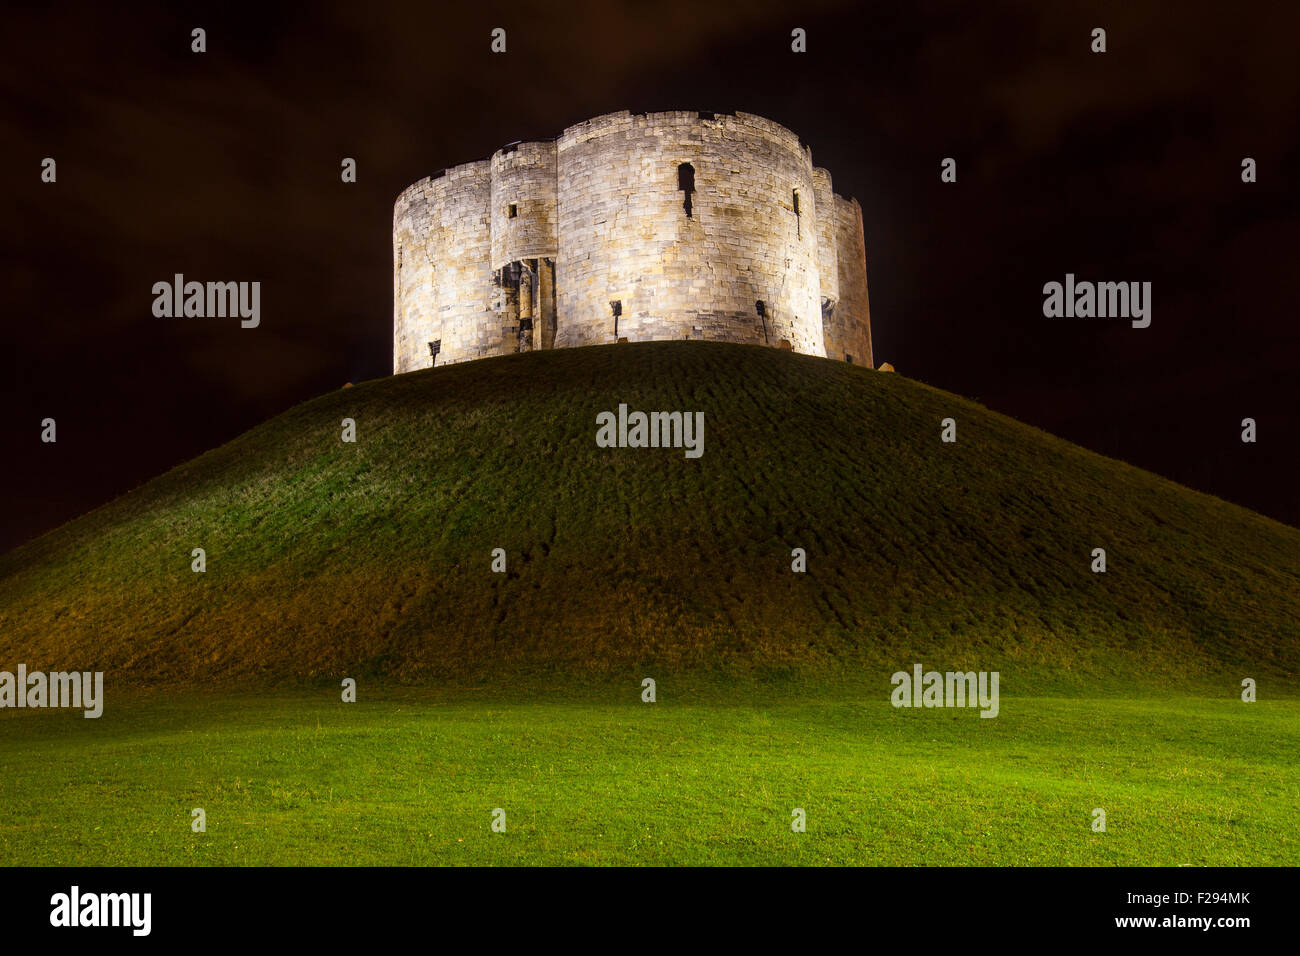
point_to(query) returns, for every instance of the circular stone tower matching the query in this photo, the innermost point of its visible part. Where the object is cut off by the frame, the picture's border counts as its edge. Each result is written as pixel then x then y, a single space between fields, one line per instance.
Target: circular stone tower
pixel 677 225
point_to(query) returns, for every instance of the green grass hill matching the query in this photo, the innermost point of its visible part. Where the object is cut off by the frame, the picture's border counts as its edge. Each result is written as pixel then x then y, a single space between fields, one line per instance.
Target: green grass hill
pixel 329 559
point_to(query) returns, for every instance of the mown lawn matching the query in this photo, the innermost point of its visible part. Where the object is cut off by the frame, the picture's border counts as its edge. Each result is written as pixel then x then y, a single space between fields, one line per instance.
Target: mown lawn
pixel 412 777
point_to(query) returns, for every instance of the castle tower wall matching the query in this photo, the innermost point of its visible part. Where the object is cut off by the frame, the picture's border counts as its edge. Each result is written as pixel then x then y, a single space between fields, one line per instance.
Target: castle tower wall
pixel 625 235
pixel 524 183
pixel 848 332
pixel 445 220
pixel 652 226
pixel 828 266
pixel 544 337
pixel 415 316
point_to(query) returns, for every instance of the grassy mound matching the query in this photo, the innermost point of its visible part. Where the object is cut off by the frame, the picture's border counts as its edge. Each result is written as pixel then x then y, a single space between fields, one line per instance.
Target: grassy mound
pixel 326 558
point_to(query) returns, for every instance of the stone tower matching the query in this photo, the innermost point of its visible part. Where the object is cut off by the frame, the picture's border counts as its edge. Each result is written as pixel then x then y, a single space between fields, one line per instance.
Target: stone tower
pixel 678 225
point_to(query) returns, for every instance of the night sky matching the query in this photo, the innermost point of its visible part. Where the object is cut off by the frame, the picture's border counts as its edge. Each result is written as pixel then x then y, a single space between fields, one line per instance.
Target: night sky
pixel 1123 166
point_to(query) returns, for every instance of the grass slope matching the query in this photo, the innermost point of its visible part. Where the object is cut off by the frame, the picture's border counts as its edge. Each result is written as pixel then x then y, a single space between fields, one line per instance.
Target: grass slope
pixel 327 558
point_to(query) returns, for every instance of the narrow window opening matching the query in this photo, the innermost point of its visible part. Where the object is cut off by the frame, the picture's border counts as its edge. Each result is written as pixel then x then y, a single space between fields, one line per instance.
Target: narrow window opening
pixel 798 220
pixel 617 308
pixel 761 308
pixel 512 211
pixel 848 358
pixel 434 348
pixel 686 183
